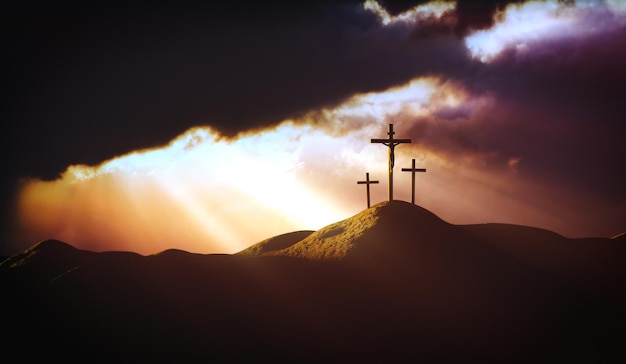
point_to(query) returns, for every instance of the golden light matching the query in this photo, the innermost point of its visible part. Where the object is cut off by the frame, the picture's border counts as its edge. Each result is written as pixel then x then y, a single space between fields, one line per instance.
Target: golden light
pixel 198 193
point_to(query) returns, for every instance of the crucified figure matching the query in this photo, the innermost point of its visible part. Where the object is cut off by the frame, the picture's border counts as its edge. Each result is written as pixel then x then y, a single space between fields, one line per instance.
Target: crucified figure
pixel 391 143
pixel 391 146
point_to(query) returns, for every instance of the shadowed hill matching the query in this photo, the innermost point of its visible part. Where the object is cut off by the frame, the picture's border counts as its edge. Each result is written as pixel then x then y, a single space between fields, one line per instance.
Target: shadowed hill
pixel 393 283
pixel 398 232
pixel 590 261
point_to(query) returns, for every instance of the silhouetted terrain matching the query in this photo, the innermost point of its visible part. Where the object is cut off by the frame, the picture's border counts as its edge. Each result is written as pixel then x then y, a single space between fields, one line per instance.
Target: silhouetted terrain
pixel 394 283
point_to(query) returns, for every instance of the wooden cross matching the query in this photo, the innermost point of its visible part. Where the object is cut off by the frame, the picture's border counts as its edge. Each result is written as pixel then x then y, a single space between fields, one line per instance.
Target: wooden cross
pixel 413 170
pixel 367 183
pixel 391 143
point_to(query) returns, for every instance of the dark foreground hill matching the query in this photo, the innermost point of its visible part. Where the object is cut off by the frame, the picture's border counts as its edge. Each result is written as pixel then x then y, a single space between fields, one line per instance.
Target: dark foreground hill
pixel 394 283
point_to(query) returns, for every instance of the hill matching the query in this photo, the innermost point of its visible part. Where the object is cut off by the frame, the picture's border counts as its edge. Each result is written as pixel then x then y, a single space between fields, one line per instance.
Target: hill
pixel 393 283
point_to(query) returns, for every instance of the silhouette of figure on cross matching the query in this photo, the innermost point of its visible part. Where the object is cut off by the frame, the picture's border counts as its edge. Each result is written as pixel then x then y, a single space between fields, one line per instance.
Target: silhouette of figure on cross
pixel 391 143
pixel 391 154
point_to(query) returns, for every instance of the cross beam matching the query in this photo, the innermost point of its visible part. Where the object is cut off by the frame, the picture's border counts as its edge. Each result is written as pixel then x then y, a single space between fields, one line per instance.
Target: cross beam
pixel 367 183
pixel 413 170
pixel 391 143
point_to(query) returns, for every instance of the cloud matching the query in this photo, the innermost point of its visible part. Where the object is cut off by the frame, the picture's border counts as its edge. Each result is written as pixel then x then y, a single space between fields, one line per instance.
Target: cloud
pixel 559 98
pixel 520 25
pixel 414 15
pixel 111 78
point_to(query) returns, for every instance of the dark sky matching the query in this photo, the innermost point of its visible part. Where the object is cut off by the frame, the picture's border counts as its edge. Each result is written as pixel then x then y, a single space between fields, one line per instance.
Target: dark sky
pixel 90 81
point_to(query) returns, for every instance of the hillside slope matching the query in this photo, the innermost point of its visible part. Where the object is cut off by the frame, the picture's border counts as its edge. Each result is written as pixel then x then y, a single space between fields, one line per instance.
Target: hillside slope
pixel 392 283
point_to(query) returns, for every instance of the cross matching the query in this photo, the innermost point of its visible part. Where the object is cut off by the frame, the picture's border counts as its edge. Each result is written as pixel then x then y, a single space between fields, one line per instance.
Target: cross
pixel 413 170
pixel 367 183
pixel 391 143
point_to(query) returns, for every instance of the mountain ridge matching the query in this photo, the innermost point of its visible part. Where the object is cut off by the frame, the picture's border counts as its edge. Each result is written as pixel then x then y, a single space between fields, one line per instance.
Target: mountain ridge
pixel 393 282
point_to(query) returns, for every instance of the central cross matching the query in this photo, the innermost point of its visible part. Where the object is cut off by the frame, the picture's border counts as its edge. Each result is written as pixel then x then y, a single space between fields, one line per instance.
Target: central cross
pixel 391 143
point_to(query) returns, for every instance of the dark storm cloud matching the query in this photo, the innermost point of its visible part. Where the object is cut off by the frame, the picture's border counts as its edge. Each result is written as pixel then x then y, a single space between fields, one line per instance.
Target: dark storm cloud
pixel 478 14
pixel 91 83
pixel 470 14
pixel 574 94
pixel 557 108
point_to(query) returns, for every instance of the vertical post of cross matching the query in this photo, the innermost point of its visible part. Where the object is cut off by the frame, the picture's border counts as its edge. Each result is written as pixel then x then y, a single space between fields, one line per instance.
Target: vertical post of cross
pixel 391 143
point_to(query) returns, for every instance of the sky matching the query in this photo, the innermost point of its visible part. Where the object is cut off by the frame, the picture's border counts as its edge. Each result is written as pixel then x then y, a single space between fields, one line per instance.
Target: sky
pixel 210 127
